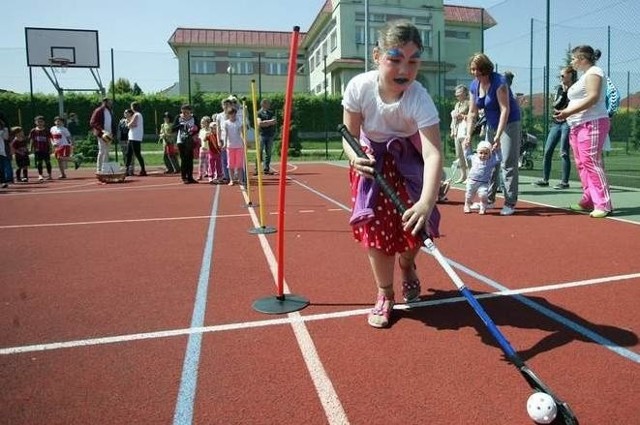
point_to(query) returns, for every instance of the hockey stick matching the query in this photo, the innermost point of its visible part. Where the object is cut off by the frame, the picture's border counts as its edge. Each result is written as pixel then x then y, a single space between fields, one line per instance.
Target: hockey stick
pixel 532 379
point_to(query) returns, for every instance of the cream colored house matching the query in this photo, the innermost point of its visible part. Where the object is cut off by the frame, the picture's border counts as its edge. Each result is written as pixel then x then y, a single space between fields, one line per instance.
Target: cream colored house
pixel 332 51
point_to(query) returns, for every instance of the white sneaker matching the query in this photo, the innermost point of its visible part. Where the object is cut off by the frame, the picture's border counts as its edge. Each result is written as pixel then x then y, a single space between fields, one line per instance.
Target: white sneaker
pixel 507 210
pixel 477 205
pixel 466 209
pixel 482 210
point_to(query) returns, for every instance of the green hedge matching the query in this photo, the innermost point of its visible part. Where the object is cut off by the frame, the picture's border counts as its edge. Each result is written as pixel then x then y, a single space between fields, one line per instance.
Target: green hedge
pixel 308 111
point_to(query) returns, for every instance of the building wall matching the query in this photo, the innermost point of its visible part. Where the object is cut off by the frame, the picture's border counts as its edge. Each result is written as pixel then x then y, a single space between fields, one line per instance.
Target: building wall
pixel 334 51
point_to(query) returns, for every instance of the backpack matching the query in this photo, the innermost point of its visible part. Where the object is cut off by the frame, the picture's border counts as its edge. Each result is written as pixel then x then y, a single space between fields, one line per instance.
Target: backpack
pixel 612 98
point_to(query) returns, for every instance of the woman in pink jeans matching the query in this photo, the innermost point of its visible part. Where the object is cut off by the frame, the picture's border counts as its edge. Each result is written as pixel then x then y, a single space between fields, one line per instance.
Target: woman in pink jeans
pixel 589 124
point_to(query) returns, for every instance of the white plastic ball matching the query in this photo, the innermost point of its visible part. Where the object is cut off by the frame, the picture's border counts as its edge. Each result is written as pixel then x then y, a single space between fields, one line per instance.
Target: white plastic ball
pixel 541 408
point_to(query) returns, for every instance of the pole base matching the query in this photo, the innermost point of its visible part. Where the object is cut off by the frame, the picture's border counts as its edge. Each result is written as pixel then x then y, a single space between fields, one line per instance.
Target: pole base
pixel 288 303
pixel 264 230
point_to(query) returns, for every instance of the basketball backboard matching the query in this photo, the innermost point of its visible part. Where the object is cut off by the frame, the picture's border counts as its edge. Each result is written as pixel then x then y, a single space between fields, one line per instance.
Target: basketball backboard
pixel 78 47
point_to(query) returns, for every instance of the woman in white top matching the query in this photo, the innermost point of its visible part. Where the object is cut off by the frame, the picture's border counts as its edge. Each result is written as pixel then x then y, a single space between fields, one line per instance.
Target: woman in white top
pixel 589 124
pixel 136 134
pixel 459 128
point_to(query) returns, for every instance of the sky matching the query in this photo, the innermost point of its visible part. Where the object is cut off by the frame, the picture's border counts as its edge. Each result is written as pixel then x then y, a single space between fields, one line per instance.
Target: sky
pixel 138 31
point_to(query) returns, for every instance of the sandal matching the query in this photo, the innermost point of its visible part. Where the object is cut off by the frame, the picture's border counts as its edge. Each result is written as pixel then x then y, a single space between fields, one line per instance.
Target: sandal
pixel 379 315
pixel 410 287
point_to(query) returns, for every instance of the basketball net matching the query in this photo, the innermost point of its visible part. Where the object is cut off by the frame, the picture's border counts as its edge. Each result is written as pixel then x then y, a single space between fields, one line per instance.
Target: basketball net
pixel 59 65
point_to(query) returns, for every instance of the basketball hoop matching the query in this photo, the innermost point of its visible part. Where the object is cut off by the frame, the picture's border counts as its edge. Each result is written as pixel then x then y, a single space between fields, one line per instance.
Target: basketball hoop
pixel 59 65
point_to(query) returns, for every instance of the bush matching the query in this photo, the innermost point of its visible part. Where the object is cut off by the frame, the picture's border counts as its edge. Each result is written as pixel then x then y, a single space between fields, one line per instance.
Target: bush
pixel 88 148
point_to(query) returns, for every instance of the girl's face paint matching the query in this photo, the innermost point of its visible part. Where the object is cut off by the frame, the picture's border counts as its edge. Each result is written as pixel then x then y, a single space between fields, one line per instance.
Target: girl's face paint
pixel 398 67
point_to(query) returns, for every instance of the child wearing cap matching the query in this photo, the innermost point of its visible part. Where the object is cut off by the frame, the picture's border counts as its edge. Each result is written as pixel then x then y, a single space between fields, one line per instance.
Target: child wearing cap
pixel 483 162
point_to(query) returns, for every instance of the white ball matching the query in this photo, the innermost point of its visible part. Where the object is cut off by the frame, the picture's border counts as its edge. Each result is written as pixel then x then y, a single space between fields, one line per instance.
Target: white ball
pixel 541 408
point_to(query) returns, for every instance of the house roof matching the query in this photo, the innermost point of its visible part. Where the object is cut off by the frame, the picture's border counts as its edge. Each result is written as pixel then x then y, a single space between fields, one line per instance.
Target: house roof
pixel 281 39
pixel 223 37
pixel 466 14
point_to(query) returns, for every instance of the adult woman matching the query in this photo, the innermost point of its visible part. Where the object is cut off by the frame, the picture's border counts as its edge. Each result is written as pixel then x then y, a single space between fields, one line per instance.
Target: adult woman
pixel 559 132
pixel 589 124
pixel 459 128
pixel 491 92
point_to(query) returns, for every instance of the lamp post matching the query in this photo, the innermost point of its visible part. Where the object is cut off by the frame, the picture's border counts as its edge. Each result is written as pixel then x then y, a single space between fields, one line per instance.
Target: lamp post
pixel 230 72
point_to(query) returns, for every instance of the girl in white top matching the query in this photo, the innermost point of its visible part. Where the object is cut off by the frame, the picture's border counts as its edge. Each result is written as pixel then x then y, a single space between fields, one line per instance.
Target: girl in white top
pixel 203 153
pixel 235 146
pixel 589 124
pixel 135 123
pixel 394 116
pixel 62 144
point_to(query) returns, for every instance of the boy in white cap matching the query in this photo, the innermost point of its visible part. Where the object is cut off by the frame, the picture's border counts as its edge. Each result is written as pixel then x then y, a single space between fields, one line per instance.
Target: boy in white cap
pixel 483 162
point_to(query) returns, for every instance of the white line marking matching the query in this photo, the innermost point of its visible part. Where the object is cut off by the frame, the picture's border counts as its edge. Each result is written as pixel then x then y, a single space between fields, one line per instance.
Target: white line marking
pixel 308 318
pixel 139 220
pixel 324 387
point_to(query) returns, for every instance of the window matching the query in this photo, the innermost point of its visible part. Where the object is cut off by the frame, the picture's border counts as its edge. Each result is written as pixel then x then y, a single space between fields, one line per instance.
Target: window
pixel 460 35
pixel 243 68
pixel 240 54
pixel 202 62
pixel 274 68
pixel 312 63
pixel 423 20
pixel 427 38
pixel 359 34
pixel 333 40
pixel 202 66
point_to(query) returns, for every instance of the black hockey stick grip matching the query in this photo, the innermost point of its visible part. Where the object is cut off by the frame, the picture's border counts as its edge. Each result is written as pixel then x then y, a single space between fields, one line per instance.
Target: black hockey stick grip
pixel 357 148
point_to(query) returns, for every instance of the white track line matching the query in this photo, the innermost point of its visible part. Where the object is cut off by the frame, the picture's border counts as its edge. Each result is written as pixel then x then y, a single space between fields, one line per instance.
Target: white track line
pixel 138 220
pixel 324 387
pixel 309 318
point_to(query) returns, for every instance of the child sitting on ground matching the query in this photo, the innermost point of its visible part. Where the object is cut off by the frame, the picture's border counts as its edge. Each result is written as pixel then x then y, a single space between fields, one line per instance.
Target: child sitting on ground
pixel 483 162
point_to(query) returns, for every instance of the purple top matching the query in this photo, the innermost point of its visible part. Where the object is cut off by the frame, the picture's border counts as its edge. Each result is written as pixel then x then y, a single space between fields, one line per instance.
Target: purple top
pixel 410 165
pixel 490 100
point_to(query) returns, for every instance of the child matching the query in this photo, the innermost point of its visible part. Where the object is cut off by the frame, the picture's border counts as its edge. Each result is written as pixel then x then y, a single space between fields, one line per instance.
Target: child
pixel 216 175
pixel 483 163
pixel 235 144
pixel 20 149
pixel 123 139
pixel 203 151
pixel 40 146
pixel 391 113
pixel 168 139
pixel 186 124
pixel 6 170
pixel 63 144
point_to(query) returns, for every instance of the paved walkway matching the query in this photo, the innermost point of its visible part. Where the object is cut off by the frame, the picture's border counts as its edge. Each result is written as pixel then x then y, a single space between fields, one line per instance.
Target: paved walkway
pixel 626 200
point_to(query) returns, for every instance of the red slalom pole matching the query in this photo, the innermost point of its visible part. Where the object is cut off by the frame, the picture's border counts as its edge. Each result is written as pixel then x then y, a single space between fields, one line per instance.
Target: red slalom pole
pixel 284 153
pixel 284 303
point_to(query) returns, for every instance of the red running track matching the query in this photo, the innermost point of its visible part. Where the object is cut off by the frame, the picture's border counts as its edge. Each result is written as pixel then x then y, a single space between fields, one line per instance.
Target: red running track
pixel 101 285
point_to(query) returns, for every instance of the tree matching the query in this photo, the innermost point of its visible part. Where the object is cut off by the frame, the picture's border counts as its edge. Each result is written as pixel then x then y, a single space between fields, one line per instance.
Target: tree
pixel 137 91
pixel 123 86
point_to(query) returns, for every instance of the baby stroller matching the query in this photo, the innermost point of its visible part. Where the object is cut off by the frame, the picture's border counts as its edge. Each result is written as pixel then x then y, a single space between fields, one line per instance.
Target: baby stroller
pixel 527 150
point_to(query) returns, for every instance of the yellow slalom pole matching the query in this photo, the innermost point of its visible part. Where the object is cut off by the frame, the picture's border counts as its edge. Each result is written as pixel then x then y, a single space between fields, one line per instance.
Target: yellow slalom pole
pixel 246 162
pixel 258 151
